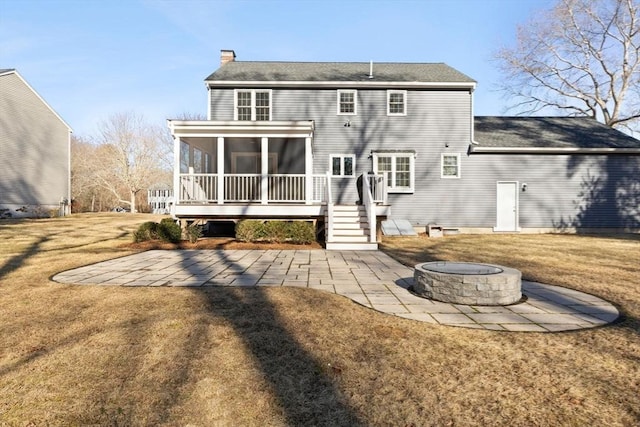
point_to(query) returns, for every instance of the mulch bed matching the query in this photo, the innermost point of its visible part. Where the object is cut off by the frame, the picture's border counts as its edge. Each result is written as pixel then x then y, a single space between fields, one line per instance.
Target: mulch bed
pixel 217 243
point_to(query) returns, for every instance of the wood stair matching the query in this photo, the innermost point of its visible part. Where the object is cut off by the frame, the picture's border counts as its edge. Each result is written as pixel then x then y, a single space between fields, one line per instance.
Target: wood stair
pixel 350 229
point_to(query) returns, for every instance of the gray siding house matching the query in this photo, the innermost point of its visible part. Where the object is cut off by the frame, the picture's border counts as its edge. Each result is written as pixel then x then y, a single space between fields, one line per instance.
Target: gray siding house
pixel 351 144
pixel 35 176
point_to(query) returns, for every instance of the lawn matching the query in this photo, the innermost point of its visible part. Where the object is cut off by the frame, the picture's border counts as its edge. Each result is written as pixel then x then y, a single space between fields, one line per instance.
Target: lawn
pixel 78 355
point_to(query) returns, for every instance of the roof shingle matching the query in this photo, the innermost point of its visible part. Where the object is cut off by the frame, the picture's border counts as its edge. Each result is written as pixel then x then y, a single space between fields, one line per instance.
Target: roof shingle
pixel 548 132
pixel 338 72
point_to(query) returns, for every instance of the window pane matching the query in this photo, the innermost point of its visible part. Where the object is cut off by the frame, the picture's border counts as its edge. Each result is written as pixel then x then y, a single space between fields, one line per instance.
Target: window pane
pixel 244 105
pixel 244 99
pixel 384 165
pixel 197 160
pixel 335 166
pixel 262 99
pixel 184 157
pixel 403 167
pixel 262 106
pixel 348 165
pixel 347 102
pixel 450 165
pixel 244 113
pixel 396 103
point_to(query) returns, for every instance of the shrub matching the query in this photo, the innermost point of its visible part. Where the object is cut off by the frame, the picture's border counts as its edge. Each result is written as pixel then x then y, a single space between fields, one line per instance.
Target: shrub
pixel 147 231
pixel 250 230
pixel 298 232
pixel 301 232
pixel 169 231
pixel 275 231
pixel 193 232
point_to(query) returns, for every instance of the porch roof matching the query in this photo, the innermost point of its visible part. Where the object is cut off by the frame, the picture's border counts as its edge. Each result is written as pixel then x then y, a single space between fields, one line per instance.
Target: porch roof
pixel 213 128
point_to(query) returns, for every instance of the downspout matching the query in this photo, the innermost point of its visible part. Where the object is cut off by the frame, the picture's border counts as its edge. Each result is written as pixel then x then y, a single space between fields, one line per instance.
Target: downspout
pixel 473 118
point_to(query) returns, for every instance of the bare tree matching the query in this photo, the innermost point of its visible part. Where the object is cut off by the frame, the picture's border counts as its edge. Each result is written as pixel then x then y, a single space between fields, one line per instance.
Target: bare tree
pixel 132 156
pixel 581 57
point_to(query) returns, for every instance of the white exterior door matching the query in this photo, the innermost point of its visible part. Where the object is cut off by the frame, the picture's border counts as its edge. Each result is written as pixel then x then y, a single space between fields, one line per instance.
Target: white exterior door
pixel 507 206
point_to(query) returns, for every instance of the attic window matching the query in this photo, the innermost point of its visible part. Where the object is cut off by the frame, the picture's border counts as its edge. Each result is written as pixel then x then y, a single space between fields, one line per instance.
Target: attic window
pixel 348 102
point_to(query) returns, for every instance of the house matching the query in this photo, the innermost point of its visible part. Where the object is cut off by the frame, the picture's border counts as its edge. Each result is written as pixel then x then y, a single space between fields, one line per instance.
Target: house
pixel 34 152
pixel 351 144
pixel 160 198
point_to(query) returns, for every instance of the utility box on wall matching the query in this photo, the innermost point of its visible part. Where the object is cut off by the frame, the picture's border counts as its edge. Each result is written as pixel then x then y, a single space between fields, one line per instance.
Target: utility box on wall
pixel 434 230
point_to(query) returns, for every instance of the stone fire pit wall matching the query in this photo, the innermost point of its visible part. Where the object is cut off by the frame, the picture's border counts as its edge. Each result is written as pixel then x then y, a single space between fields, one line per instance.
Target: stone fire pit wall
pixel 500 288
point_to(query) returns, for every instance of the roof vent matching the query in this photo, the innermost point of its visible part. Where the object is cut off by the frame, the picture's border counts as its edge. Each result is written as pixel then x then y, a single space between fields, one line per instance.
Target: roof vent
pixel 370 69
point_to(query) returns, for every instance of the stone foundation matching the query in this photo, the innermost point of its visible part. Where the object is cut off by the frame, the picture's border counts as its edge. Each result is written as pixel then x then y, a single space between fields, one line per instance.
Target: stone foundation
pixel 500 288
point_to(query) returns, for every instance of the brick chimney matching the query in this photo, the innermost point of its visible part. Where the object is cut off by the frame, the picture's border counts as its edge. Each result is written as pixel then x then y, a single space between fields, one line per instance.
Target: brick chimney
pixel 227 56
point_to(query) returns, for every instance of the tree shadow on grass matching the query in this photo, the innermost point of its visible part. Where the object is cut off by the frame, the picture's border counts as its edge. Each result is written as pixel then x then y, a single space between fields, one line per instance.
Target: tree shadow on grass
pixel 18 260
pixel 300 383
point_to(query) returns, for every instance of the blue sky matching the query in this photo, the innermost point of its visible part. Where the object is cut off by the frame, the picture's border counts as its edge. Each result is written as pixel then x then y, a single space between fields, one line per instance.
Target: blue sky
pixel 91 58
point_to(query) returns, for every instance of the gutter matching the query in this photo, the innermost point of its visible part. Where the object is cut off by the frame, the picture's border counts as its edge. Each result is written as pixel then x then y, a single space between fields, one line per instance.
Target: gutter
pixel 550 150
pixel 336 84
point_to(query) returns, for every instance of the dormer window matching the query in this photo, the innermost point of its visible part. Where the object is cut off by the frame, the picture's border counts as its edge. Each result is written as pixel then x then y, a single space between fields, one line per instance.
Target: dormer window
pixel 252 105
pixel 348 102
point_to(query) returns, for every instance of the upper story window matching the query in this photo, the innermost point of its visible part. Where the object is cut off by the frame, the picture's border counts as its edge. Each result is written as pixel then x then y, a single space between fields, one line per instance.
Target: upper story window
pixel 397 102
pixel 450 165
pixel 343 164
pixel 398 167
pixel 347 102
pixel 252 105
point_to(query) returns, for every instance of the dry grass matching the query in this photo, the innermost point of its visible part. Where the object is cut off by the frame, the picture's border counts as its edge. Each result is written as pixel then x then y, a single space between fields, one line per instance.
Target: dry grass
pixel 77 355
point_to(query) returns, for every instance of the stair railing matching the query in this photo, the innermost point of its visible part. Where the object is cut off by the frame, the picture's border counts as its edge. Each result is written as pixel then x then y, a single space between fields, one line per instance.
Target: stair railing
pixel 369 206
pixel 329 201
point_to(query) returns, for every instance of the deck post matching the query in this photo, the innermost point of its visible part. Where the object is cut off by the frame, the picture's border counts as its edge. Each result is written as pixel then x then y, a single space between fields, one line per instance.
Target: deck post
pixel 220 169
pixel 177 189
pixel 308 171
pixel 264 170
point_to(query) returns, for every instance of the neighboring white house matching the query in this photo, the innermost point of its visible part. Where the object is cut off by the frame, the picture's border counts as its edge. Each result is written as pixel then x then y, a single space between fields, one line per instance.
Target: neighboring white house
pixel 35 166
pixel 160 198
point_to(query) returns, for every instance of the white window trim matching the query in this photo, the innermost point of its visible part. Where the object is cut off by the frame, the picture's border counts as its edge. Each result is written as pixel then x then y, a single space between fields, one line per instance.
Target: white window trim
pixel 253 102
pixel 342 157
pixel 412 169
pixel 355 102
pixel 404 98
pixel 442 165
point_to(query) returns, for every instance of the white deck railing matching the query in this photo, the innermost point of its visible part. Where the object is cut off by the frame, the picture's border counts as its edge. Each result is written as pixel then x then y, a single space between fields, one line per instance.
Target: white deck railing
pixel 247 188
pixel 198 188
pixel 242 188
pixel 286 188
pixel 378 186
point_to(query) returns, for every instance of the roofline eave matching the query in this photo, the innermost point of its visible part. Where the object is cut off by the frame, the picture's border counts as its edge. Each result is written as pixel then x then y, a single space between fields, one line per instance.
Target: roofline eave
pixel 552 150
pixel 185 128
pixel 336 84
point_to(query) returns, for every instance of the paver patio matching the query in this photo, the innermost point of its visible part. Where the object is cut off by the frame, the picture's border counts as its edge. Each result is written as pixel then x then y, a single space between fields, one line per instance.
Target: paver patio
pixel 370 278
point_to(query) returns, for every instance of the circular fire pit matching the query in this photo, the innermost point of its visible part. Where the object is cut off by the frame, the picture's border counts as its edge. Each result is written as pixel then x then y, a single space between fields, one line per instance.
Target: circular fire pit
pixel 467 283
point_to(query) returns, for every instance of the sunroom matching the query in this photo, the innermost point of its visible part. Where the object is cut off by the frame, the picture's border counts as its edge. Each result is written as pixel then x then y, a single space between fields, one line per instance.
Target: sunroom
pixel 222 167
